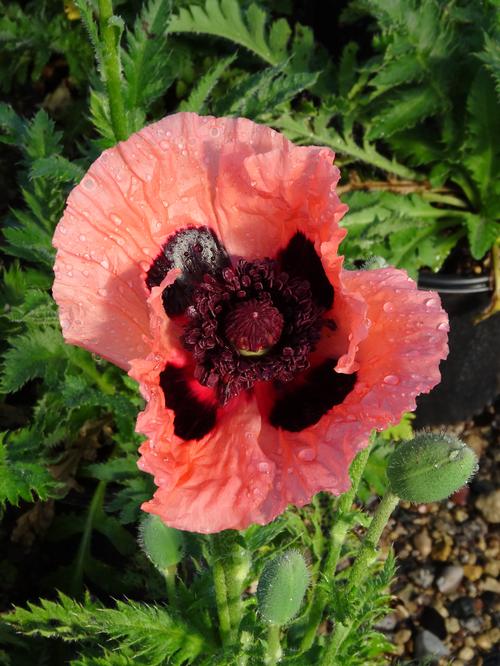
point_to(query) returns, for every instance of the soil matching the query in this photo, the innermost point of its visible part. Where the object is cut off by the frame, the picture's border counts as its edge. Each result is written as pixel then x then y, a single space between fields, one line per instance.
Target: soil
pixel 447 591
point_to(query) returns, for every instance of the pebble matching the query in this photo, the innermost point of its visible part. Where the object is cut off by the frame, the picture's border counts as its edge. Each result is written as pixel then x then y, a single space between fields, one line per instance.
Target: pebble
pixel 423 577
pixel 489 505
pixel 442 549
pixel 493 569
pixel 474 624
pixel 450 579
pixel 452 625
pixel 490 584
pixel 387 623
pixel 423 543
pixel 484 642
pixel 428 645
pixel 473 571
pixel 462 607
pixel 466 654
pixel 402 636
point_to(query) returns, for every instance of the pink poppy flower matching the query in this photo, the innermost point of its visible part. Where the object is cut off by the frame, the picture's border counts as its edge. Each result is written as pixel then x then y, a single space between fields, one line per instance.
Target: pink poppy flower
pixel 200 255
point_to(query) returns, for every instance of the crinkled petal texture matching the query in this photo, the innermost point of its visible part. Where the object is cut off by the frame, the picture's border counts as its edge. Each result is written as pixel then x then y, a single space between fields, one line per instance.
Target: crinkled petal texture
pixel 248 183
pixel 255 190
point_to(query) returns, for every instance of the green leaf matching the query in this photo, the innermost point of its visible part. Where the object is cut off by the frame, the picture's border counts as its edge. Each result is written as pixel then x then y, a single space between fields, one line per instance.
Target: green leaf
pixel 403 110
pixel 491 58
pixel 42 139
pixel 481 152
pixel 258 95
pixel 22 480
pixel 482 232
pixel 197 99
pixel 12 126
pixel 224 18
pixel 37 354
pixel 145 62
pixel 152 633
pixel 58 168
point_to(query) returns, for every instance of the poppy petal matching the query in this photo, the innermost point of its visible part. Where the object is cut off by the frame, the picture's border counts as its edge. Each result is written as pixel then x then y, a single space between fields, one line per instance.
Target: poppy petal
pixel 169 176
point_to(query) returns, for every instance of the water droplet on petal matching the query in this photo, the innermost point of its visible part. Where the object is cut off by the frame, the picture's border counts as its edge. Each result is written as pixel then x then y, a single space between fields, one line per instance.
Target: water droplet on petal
pixel 164 145
pixel 388 307
pixel 102 292
pixel 430 302
pixel 86 273
pixel 391 379
pixel 443 326
pixel 116 219
pixel 105 264
pixel 307 454
pixel 89 183
pixel 263 467
pixel 82 237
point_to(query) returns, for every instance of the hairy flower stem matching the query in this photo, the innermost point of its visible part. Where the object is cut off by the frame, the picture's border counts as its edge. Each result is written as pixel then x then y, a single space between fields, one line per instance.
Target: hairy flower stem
pixel 228 572
pixel 274 651
pixel 169 574
pixel 368 551
pixel 359 570
pixel 110 36
pixel 339 532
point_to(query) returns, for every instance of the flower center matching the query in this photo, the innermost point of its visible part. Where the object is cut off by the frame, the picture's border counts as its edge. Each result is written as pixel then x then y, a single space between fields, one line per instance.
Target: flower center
pixel 253 327
pixel 248 323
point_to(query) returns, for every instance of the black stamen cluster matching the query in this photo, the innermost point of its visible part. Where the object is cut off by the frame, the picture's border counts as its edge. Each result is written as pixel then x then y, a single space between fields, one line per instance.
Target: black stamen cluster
pixel 218 363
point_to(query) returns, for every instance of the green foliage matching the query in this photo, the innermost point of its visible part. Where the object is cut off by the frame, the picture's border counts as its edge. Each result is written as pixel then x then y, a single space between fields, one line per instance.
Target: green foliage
pixel 151 633
pixel 408 232
pixel 224 18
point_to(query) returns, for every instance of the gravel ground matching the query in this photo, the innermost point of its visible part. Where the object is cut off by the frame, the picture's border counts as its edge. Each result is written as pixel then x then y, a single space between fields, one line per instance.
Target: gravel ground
pixel 447 593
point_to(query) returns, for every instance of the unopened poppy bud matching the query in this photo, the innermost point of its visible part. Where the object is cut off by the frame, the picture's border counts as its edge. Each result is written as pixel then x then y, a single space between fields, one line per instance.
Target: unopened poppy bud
pixel 163 545
pixel 282 587
pixel 430 467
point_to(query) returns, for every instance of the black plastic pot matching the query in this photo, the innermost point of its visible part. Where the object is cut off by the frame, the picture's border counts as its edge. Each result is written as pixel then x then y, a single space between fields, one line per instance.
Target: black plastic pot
pixel 471 373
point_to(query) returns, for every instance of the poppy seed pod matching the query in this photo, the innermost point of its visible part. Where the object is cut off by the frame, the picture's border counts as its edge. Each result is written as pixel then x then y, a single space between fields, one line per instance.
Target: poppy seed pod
pixel 430 467
pixel 282 586
pixel 163 545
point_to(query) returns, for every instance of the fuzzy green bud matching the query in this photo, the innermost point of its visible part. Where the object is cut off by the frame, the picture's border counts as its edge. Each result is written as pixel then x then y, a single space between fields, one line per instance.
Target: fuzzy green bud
pixel 163 545
pixel 430 467
pixel 282 587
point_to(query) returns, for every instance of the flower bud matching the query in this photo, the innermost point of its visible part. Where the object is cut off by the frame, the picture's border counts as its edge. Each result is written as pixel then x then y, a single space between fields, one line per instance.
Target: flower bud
pixel 163 545
pixel 430 467
pixel 282 587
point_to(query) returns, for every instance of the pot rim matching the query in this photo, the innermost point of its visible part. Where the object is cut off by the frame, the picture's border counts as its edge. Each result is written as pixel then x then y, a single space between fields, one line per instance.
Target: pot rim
pixel 454 284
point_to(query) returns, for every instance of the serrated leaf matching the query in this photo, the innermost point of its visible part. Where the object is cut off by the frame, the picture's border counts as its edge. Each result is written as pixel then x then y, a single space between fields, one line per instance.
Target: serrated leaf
pixel 37 354
pixel 403 110
pixel 224 18
pixel 146 59
pixel 12 126
pixel 482 232
pixel 22 480
pixel 481 152
pixel 490 55
pixel 58 168
pixel 197 99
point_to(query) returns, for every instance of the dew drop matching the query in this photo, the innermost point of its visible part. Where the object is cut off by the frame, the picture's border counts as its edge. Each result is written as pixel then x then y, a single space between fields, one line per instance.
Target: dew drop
pixel 443 326
pixel 391 379
pixel 86 273
pixel 105 264
pixel 89 183
pixel 263 467
pixel 120 241
pixel 164 145
pixel 307 454
pixel 82 237
pixel 430 302
pixel 116 219
pixel 388 306
pixel 214 131
pixel 102 292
